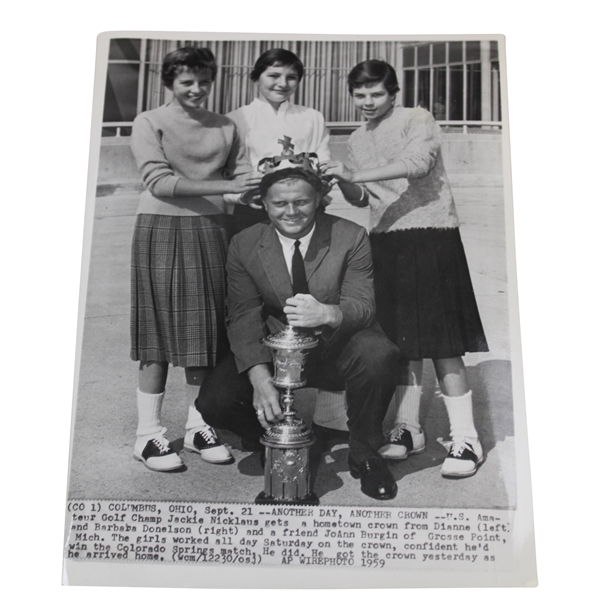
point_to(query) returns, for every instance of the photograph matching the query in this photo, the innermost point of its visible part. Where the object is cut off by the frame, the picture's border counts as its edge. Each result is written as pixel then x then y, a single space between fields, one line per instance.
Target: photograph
pixel 191 403
pixel 300 342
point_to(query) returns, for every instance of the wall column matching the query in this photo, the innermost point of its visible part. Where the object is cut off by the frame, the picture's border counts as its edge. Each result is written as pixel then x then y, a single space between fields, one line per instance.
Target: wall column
pixel 485 58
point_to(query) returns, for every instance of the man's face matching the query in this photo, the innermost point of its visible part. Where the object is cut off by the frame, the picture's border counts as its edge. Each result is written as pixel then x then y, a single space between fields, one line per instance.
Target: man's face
pixel 291 206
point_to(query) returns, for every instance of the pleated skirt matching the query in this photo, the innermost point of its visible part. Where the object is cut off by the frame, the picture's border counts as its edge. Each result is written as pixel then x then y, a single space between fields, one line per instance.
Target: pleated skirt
pixel 178 289
pixel 425 301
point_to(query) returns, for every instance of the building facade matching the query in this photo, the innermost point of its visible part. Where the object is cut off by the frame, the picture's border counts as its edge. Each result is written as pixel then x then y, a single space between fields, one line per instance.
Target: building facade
pixel 458 81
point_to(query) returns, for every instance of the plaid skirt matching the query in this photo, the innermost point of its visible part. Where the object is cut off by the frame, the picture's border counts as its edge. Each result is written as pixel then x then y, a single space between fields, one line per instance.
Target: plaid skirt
pixel 425 301
pixel 178 289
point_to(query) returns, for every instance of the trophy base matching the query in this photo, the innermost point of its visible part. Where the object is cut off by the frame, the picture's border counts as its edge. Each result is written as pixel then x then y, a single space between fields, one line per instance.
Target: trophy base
pixel 264 499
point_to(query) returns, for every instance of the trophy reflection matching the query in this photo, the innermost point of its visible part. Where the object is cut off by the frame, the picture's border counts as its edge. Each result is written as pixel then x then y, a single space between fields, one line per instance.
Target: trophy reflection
pixel 287 442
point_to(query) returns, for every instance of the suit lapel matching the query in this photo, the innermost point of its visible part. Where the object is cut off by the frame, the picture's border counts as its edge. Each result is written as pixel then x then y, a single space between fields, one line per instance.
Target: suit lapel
pixel 273 262
pixel 319 246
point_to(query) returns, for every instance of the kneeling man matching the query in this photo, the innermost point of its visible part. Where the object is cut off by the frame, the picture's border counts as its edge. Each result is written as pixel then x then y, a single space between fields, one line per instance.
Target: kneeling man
pixel 314 271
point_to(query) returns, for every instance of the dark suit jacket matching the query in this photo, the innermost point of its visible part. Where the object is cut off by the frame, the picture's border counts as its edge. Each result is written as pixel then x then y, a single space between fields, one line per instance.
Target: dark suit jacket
pixel 338 269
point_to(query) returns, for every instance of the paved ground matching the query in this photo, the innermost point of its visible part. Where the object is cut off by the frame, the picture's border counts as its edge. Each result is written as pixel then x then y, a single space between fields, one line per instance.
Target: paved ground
pixel 105 419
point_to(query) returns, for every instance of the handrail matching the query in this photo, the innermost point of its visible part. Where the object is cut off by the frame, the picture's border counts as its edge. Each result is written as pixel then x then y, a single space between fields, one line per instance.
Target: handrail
pixel 464 124
pixel 349 125
pixel 119 125
pixel 472 124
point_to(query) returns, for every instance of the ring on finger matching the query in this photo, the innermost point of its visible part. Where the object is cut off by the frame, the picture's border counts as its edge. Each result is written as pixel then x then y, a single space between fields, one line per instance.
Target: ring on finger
pixel 259 412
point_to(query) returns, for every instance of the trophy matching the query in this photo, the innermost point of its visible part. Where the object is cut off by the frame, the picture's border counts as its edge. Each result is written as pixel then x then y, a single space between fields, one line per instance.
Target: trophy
pixel 287 442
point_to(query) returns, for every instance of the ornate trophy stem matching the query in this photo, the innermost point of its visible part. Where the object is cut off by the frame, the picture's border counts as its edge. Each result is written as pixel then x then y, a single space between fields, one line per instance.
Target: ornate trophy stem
pixel 287 401
pixel 286 470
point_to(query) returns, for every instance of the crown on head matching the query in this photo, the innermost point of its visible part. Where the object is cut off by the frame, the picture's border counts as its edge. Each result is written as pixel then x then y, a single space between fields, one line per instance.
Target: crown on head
pixel 287 159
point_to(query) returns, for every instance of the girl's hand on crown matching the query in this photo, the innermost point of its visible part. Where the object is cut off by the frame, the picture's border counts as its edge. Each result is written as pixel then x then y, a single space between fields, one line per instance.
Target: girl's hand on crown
pixel 252 198
pixel 246 182
pixel 337 170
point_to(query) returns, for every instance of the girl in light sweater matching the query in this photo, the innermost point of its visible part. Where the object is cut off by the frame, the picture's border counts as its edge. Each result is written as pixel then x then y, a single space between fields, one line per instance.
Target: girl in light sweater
pixel 179 250
pixel 270 119
pixel 425 300
pixel 264 126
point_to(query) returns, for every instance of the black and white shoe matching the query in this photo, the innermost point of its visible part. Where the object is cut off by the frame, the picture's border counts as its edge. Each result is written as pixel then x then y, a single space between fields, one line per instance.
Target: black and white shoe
pixel 156 453
pixel 463 458
pixel 402 443
pixel 205 442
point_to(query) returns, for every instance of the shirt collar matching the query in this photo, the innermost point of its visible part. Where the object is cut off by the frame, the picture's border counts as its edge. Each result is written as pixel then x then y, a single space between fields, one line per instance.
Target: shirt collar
pixel 264 105
pixel 288 242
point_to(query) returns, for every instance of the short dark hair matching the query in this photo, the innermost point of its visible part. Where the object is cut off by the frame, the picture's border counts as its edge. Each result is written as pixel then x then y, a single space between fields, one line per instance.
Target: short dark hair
pixel 291 173
pixel 276 57
pixel 195 59
pixel 371 72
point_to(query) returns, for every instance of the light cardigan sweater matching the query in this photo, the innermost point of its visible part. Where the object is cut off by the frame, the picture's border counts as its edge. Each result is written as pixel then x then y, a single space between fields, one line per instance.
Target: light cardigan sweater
pixel 168 144
pixel 423 199
pixel 260 129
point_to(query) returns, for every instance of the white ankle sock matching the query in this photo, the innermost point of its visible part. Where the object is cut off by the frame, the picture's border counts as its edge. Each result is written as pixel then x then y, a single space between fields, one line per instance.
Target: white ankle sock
pixel 149 406
pixel 408 413
pixel 461 419
pixel 331 409
pixel 194 418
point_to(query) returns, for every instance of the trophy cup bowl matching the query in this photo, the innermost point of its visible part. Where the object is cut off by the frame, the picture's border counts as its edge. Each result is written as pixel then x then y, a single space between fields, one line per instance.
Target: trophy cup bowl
pixel 287 442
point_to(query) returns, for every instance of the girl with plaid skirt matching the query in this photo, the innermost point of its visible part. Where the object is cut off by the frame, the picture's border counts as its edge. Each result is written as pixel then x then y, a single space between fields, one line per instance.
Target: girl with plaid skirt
pixel 179 250
pixel 424 296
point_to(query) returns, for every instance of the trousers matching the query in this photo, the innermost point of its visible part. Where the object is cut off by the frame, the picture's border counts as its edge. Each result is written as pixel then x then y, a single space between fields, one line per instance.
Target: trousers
pixel 365 365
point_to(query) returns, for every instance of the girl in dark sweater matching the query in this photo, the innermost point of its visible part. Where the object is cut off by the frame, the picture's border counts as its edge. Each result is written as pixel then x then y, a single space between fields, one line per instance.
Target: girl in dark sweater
pixel 425 300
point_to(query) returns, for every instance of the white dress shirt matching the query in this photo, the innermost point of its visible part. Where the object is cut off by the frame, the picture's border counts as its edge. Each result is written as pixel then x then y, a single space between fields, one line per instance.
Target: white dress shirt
pixel 288 245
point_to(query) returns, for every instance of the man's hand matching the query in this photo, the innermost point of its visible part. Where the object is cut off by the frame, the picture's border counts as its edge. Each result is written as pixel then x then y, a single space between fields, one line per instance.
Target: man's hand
pixel 304 310
pixel 266 397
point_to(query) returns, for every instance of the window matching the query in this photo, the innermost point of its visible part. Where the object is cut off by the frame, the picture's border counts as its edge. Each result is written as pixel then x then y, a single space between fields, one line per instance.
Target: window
pixel 122 84
pixel 455 81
